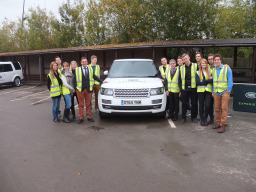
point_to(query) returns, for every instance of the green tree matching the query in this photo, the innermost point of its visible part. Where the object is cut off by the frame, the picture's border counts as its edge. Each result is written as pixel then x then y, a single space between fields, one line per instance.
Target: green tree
pixel 12 37
pixel 129 20
pixel 70 29
pixel 236 19
pixel 95 17
pixel 186 19
pixel 40 30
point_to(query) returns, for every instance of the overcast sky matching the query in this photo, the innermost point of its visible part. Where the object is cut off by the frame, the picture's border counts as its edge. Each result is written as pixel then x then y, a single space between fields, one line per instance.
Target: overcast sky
pixel 12 9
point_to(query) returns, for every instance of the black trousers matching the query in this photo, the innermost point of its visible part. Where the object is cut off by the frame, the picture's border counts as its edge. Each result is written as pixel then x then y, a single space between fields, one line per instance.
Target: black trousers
pixel 173 104
pixel 167 103
pixel 211 108
pixel 204 103
pixel 185 95
pixel 73 103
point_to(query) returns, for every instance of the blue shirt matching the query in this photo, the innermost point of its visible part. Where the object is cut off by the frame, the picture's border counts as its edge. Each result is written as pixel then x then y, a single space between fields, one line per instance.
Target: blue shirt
pixel 229 78
pixel 173 70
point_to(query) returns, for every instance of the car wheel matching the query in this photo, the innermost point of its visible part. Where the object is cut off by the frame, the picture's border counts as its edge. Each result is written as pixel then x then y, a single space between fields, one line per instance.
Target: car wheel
pixel 162 115
pixel 103 115
pixel 16 82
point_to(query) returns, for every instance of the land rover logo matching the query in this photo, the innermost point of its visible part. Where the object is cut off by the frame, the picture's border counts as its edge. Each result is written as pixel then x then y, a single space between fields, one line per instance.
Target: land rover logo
pixel 250 95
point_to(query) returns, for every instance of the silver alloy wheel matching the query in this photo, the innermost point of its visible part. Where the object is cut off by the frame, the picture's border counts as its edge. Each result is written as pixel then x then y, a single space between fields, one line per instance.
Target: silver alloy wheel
pixel 17 81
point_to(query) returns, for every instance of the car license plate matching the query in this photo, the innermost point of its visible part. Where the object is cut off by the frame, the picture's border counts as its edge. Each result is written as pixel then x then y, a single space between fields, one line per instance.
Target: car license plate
pixel 130 102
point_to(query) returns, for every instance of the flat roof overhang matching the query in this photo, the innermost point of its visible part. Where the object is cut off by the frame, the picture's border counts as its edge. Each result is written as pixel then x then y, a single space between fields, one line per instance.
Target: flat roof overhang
pixel 247 42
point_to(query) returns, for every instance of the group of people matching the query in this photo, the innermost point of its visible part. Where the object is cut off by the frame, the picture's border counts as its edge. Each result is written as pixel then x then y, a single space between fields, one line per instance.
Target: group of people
pixel 70 81
pixel 207 82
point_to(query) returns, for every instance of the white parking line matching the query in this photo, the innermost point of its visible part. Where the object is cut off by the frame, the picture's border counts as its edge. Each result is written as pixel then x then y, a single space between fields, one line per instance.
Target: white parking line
pixel 16 90
pixel 28 96
pixel 40 101
pixel 172 124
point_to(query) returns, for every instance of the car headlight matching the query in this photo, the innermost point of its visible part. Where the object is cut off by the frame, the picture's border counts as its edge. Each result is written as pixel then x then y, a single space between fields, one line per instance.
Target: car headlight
pixel 106 91
pixel 157 91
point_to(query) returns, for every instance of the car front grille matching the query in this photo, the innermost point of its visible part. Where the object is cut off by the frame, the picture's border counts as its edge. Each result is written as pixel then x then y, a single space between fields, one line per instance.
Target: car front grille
pixel 132 107
pixel 131 93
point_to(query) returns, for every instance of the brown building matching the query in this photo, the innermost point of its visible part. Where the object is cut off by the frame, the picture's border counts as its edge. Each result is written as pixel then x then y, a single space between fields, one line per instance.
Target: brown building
pixel 36 63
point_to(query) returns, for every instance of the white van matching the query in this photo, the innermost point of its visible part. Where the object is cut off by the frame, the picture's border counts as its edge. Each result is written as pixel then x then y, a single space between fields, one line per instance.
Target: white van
pixel 10 73
pixel 133 88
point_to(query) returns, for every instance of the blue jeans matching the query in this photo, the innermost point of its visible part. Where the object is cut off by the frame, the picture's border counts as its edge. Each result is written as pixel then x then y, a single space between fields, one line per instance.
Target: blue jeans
pixel 67 99
pixel 55 106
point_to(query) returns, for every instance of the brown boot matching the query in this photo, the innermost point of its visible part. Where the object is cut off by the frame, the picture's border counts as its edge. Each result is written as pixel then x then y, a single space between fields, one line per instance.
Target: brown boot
pixel 221 130
pixel 216 126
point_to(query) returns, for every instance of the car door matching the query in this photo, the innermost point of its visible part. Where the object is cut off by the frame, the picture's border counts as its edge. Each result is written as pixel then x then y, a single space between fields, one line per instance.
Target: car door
pixel 6 73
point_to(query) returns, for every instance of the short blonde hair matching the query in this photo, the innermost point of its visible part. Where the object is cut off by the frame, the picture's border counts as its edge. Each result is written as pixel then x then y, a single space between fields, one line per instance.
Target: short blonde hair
pixel 72 63
pixel 93 56
pixel 65 64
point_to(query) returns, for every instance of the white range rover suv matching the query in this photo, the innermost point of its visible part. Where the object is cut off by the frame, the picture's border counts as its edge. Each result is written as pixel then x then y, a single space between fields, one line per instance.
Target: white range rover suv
pixel 133 88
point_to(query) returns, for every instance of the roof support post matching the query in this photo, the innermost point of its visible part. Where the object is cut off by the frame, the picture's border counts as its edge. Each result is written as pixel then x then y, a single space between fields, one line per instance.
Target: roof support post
pixel 41 73
pixel 202 51
pixel 86 55
pixel 25 67
pixel 104 60
pixel 132 53
pixel 116 55
pixel 153 54
pixel 235 60
pixel 80 56
pixel 28 67
pixel 253 65
pixel 235 57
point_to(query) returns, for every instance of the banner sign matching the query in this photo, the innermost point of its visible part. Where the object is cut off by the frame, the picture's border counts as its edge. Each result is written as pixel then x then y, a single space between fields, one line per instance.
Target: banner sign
pixel 244 97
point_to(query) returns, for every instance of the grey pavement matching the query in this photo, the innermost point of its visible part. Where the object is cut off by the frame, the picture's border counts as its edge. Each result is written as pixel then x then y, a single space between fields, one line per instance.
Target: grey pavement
pixel 126 154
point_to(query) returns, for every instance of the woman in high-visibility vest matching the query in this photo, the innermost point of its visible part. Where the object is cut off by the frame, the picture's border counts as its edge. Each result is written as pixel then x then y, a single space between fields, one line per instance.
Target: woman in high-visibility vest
pixel 204 90
pixel 67 90
pixel 54 84
pixel 73 66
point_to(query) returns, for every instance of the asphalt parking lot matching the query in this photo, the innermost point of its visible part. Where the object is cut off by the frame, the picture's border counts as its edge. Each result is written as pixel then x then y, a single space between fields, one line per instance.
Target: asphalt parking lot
pixel 120 154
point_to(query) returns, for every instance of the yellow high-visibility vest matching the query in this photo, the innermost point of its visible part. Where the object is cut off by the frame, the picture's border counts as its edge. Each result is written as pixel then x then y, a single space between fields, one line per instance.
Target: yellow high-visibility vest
pixel 79 78
pixel 220 84
pixel 203 88
pixel 97 73
pixel 173 85
pixel 55 88
pixel 163 73
pixel 193 75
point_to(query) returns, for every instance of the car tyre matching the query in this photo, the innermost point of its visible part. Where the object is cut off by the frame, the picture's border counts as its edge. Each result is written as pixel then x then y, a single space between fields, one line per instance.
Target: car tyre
pixel 16 82
pixel 103 115
pixel 162 115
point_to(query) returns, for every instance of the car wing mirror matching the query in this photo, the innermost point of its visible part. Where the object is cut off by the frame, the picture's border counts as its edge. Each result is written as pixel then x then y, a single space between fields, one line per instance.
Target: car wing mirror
pixel 106 73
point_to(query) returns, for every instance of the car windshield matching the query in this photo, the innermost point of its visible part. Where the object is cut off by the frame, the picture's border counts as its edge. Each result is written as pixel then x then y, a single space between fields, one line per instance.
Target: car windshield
pixel 132 69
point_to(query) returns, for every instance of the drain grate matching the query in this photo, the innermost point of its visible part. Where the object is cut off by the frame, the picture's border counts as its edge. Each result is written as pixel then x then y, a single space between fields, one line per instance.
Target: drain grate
pixel 96 128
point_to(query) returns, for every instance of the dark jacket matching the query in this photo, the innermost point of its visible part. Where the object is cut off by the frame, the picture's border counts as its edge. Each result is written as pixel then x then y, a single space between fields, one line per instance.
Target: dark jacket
pixel 86 81
pixel 204 81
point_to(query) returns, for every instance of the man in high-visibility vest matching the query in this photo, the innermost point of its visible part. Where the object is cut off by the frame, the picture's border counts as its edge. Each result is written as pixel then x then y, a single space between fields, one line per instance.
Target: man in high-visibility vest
pixel 222 86
pixel 96 86
pixel 172 90
pixel 164 67
pixel 198 57
pixel 179 61
pixel 187 85
pixel 210 60
pixel 83 83
pixel 163 70
pixel 58 61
